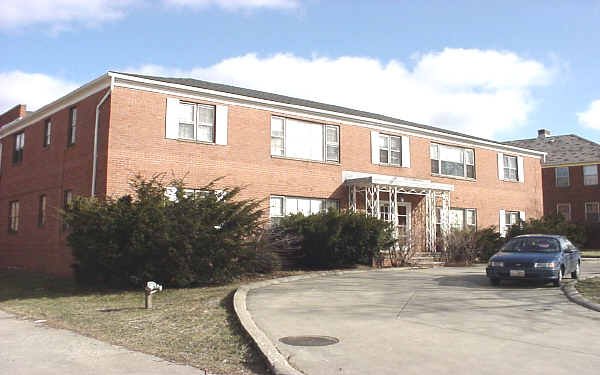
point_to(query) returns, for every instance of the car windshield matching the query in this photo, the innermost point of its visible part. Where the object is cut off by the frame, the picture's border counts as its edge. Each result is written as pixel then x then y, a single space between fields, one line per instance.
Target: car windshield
pixel 532 244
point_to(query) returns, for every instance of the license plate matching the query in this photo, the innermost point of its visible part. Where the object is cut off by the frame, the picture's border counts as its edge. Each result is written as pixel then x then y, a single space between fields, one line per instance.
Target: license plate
pixel 517 273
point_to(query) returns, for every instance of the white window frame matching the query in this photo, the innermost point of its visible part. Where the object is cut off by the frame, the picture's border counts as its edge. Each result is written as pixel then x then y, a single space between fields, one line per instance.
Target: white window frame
pixel 557 177
pixel 559 205
pixel 326 204
pixel 595 175
pixel 19 147
pixel 509 216
pixel 389 149
pixel 47 132
pixel 587 211
pixel 508 168
pixel 196 121
pixel 438 147
pixel 14 213
pixel 325 144
pixel 465 222
pixel 72 125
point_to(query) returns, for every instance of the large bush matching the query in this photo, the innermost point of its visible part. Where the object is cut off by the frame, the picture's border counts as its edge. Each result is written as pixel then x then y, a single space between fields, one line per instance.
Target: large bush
pixel 468 246
pixel 338 239
pixel 551 224
pixel 192 239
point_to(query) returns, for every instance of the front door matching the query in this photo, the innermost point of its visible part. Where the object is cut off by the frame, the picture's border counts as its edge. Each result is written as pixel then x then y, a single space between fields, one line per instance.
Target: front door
pixel 404 220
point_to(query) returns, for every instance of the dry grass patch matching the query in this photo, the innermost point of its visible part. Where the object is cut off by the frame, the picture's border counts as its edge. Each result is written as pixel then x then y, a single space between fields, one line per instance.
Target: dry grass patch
pixel 195 326
pixel 590 288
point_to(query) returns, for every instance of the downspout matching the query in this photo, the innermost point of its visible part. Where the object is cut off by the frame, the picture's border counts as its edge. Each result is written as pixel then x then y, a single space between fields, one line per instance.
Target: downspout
pixel 95 160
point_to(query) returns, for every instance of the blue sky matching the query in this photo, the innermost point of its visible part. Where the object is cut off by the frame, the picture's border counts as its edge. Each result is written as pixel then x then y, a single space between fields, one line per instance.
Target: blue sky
pixel 496 69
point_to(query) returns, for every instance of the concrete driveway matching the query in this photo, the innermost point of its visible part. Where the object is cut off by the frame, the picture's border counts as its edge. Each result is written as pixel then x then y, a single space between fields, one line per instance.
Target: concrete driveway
pixel 436 321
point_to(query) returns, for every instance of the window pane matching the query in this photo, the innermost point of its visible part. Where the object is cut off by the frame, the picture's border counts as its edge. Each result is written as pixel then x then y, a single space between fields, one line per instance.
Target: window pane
pixel 276 127
pixel 384 141
pixel 333 153
pixel 471 171
pixel 451 154
pixel 383 156
pixel 590 170
pixel 277 146
pixel 395 156
pixel 435 167
pixel 470 159
pixel 470 217
pixel 316 206
pixel 510 174
pixel 456 218
pixel 186 131
pixel 332 134
pixel 562 172
pixel 276 208
pixel 395 143
pixel 304 206
pixel 205 133
pixel 433 151
pixel 332 204
pixel 206 114
pixel 186 113
pixel 562 181
pixel 304 140
pixel 291 206
pixel 590 180
pixel 453 169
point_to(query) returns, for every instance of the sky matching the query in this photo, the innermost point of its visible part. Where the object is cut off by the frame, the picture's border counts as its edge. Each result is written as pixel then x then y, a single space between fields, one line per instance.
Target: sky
pixel 495 69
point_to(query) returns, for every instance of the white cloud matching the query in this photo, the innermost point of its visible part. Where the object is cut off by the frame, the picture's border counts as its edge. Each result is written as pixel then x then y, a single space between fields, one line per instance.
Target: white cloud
pixel 479 92
pixel 35 90
pixel 236 4
pixel 591 117
pixel 61 14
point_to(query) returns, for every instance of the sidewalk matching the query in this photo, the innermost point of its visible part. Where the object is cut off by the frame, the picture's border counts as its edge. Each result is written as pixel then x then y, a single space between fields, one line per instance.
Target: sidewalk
pixel 30 348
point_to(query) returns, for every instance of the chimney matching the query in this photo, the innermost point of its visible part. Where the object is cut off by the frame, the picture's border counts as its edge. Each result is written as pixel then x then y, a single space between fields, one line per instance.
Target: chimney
pixel 12 114
pixel 543 133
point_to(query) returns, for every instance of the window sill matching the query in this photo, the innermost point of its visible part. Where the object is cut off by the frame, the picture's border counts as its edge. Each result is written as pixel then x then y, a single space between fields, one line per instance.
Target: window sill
pixel 505 180
pixel 454 177
pixel 196 142
pixel 306 160
pixel 390 165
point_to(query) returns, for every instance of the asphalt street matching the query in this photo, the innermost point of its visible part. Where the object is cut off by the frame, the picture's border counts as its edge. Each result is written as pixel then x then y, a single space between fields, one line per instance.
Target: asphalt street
pixel 442 320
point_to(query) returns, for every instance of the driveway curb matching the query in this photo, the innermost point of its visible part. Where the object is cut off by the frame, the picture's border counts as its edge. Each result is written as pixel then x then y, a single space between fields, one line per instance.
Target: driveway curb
pixel 574 296
pixel 277 362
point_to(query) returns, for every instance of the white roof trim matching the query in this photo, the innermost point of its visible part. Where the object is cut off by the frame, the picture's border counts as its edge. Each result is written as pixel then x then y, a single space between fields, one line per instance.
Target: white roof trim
pixel 184 90
pixel 359 178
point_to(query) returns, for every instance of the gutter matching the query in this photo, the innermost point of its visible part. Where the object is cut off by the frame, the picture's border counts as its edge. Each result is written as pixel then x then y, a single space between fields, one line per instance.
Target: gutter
pixel 95 160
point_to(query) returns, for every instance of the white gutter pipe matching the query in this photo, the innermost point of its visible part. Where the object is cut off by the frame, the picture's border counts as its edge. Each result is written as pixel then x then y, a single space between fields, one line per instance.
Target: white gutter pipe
pixel 95 160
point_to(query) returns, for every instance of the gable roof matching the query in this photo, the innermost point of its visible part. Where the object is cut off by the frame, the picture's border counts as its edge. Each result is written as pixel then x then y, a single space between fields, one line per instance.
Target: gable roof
pixel 562 149
pixel 300 102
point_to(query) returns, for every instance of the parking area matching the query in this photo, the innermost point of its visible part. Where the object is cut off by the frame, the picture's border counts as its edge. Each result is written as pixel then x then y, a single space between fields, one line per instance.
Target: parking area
pixel 443 320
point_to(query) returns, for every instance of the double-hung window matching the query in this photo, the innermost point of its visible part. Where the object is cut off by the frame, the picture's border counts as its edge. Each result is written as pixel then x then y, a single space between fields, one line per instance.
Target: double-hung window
pixel 282 205
pixel 19 146
pixel 13 216
pixel 592 212
pixel 304 140
pixel 564 209
pixel 590 174
pixel 47 133
pixel 510 168
pixel 511 218
pixel 463 218
pixel 72 133
pixel 452 161
pixel 197 122
pixel 562 176
pixel 390 150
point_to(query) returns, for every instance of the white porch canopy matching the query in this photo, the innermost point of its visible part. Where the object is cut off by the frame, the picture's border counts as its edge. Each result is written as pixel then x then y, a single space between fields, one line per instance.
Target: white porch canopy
pixel 371 185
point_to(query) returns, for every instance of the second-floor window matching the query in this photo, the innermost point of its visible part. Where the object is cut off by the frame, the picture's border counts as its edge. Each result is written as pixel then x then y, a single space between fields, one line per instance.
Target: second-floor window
pixel 452 161
pixel 510 168
pixel 390 150
pixel 590 175
pixel 19 146
pixel 72 133
pixel 562 176
pixel 304 140
pixel 197 122
pixel 47 133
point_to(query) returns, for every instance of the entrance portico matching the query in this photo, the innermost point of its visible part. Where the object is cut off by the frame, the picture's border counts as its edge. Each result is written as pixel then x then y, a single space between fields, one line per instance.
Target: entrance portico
pixel 393 199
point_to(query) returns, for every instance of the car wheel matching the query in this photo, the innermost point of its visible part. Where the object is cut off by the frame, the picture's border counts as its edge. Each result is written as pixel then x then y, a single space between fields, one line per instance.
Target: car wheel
pixel 495 282
pixel 575 274
pixel 559 279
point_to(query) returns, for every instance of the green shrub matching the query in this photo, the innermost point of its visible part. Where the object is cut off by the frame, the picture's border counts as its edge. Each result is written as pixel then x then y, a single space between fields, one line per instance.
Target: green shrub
pixel 336 239
pixel 488 242
pixel 551 224
pixel 193 239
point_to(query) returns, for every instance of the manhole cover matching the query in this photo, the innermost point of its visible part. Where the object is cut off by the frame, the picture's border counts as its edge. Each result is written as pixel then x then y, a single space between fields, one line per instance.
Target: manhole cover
pixel 309 340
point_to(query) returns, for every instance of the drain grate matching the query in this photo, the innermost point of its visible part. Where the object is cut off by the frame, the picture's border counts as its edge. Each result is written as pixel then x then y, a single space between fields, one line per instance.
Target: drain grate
pixel 309 340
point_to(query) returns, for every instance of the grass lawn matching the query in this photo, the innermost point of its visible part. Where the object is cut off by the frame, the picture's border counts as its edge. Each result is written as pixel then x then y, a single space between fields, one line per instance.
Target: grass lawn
pixel 590 253
pixel 194 326
pixel 590 288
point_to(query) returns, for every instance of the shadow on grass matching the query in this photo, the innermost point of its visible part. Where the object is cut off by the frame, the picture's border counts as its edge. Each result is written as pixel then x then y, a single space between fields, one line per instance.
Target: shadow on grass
pixel 253 358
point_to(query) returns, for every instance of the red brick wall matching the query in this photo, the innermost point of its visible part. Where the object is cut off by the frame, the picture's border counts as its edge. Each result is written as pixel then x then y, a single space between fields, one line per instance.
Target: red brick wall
pixel 137 143
pixel 50 171
pixel 12 114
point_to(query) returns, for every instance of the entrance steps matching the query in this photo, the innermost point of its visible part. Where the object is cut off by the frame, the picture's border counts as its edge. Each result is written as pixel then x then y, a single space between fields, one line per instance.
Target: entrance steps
pixel 427 259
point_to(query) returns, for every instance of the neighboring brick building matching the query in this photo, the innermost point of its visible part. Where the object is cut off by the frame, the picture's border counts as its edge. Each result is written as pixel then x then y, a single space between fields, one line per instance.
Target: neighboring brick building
pixel 569 177
pixel 296 154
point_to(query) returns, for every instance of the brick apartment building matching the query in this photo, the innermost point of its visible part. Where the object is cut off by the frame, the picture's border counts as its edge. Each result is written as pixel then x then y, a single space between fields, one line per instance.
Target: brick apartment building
pixel 298 155
pixel 569 178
